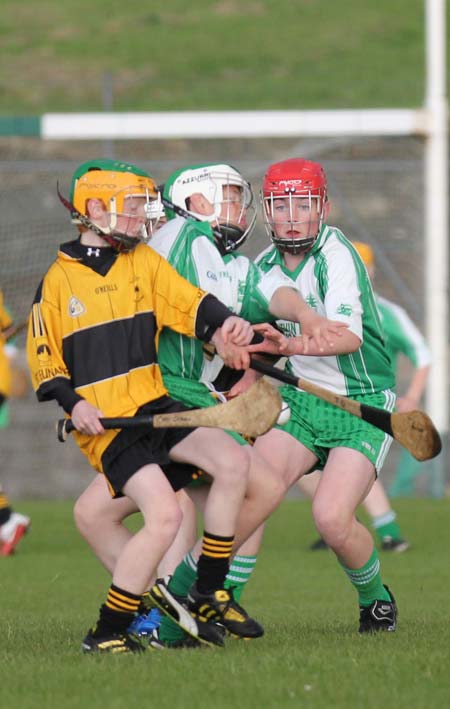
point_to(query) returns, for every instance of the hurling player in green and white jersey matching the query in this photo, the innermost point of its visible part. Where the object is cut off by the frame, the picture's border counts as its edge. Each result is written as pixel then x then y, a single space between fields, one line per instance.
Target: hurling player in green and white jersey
pixel 328 272
pixel 401 337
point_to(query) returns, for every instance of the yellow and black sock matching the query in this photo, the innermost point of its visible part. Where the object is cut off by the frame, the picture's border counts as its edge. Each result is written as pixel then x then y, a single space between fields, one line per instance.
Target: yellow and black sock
pixel 118 612
pixel 214 562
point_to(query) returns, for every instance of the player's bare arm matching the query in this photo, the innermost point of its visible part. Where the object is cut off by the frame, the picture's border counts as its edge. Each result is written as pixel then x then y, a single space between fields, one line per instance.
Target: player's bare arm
pixel 277 343
pixel 411 399
pixel 286 303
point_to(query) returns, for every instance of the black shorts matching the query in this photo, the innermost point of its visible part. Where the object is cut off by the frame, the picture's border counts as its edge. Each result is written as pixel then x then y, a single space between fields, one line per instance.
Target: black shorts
pixel 131 449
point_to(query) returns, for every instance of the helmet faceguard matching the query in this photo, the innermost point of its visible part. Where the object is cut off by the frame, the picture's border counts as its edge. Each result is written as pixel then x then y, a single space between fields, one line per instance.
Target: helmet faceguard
pixel 287 185
pixel 117 185
pixel 233 209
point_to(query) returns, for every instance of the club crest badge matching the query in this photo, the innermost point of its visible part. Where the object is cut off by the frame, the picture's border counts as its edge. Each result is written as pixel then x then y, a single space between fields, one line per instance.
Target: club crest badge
pixel 43 351
pixel 76 307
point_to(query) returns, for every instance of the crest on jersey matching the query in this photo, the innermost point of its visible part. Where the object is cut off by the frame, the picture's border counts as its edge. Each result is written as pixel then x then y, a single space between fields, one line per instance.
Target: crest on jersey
pixel 76 307
pixel 345 309
pixel 43 351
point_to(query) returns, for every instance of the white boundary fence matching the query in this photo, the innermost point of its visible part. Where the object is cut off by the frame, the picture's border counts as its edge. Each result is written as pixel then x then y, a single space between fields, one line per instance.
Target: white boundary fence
pixel 233 124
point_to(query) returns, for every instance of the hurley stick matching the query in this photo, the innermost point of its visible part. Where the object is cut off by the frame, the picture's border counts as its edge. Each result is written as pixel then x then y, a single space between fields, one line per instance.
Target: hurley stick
pixel 252 414
pixel 414 430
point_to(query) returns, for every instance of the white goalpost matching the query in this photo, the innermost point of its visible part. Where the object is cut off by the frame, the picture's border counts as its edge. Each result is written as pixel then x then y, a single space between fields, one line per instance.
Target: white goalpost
pixel 436 211
pixel 429 122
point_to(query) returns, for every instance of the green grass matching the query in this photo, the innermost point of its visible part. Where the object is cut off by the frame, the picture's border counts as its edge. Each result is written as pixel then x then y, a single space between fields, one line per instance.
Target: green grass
pixel 311 655
pixel 211 54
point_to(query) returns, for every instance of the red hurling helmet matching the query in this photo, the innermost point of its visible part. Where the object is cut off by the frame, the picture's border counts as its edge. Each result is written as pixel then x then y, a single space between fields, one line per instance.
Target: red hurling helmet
pixel 288 180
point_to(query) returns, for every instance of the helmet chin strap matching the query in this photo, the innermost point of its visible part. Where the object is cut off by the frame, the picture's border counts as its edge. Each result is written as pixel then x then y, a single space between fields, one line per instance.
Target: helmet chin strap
pixel 231 236
pixel 289 247
pixel 145 236
pixel 84 220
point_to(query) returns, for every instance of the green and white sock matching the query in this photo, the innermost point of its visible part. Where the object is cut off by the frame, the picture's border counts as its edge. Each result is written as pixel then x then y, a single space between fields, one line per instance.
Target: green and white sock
pixel 183 576
pixel 180 583
pixel 367 581
pixel 241 568
pixel 386 526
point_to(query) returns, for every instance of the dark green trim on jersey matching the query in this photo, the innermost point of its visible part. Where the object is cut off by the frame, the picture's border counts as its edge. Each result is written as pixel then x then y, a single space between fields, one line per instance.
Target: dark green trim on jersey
pixel 321 273
pixel 254 305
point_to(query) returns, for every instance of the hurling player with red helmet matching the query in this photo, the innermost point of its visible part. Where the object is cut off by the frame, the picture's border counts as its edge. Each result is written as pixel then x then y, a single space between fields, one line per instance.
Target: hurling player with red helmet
pixel 328 272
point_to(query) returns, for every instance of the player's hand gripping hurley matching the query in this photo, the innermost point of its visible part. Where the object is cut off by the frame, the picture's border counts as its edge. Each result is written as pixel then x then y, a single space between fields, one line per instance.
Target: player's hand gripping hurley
pixel 252 414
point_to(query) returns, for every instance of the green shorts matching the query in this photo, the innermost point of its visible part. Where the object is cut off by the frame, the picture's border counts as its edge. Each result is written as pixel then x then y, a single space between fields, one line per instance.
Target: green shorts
pixel 320 426
pixel 198 395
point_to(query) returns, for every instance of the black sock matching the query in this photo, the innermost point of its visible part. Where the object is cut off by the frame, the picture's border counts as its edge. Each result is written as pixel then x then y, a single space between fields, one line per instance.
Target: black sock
pixel 117 613
pixel 214 562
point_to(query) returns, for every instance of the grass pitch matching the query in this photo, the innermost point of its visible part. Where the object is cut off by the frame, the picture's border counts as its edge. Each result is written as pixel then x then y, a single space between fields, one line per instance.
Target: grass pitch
pixel 311 655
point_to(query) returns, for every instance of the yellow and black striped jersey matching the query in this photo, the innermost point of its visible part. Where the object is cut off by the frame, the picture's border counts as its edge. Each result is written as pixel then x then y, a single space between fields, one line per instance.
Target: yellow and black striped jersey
pixel 94 333
pixel 5 369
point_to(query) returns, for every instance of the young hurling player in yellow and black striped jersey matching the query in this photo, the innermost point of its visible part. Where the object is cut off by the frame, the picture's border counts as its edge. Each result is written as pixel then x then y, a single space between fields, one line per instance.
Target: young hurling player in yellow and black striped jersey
pixel 93 347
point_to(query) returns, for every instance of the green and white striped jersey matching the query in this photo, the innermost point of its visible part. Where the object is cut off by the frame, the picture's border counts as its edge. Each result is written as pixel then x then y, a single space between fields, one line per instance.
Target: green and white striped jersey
pixel 333 280
pixel 401 335
pixel 190 248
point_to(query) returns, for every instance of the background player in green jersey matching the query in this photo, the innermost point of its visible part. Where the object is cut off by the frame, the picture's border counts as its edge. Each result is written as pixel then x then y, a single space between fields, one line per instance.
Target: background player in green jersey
pixel 402 338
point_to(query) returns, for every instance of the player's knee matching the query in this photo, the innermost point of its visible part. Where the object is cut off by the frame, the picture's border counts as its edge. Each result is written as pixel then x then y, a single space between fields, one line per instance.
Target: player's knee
pixel 85 519
pixel 165 523
pixel 331 523
pixel 273 485
pixel 234 469
pixel 266 479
